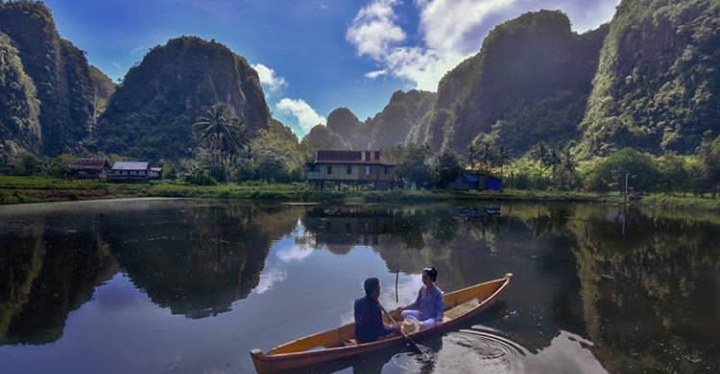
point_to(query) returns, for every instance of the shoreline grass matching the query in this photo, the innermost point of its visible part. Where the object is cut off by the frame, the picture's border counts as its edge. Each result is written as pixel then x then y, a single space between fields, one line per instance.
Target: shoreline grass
pixel 693 203
pixel 35 189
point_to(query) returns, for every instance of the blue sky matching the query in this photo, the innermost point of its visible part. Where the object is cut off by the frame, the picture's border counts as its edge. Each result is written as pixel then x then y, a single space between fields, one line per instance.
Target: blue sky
pixel 313 55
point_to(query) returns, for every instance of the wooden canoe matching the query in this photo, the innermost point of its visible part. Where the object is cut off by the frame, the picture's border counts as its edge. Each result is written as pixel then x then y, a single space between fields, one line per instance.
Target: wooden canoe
pixel 339 343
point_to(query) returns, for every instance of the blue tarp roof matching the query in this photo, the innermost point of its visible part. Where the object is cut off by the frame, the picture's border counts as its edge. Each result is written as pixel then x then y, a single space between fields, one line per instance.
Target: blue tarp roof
pixel 470 178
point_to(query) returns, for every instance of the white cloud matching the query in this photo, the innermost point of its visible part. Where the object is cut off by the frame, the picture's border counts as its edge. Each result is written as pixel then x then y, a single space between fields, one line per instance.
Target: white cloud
pixel 294 253
pixel 450 31
pixel 296 246
pixel 305 115
pixel 270 81
pixel 375 34
pixel 374 30
pixel 446 24
pixel 423 67
pixel 375 74
pixel 268 279
pixel 590 16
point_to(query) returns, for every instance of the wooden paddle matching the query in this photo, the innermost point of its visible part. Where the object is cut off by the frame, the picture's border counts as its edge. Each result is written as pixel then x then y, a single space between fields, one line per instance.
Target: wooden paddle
pixel 414 345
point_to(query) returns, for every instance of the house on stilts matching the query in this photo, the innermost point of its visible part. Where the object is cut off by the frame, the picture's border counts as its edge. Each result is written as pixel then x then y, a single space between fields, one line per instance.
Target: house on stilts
pixel 352 168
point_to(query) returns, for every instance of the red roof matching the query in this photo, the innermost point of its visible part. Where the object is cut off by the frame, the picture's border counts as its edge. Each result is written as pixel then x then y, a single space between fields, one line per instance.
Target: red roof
pixel 343 156
pixel 90 163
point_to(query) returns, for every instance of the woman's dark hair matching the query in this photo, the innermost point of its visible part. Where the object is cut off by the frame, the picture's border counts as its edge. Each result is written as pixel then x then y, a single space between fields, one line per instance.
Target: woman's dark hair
pixel 371 285
pixel 431 272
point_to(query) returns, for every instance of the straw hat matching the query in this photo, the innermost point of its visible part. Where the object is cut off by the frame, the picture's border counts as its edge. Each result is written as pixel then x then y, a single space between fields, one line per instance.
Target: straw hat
pixel 410 326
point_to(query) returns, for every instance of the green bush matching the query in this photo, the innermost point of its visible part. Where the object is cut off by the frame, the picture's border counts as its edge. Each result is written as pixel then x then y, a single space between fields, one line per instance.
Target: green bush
pixel 200 178
pixel 24 164
pixel 710 159
pixel 527 174
pixel 609 174
pixel 446 168
pixel 412 166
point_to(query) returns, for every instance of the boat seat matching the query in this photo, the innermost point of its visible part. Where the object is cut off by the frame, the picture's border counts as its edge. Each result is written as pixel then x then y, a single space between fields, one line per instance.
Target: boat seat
pixel 460 309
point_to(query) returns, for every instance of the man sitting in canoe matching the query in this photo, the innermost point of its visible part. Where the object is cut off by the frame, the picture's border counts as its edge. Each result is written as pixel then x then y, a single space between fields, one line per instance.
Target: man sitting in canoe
pixel 429 306
pixel 369 324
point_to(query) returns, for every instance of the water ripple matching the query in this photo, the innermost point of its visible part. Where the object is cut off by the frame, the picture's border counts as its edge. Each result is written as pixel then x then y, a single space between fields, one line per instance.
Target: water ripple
pixel 475 350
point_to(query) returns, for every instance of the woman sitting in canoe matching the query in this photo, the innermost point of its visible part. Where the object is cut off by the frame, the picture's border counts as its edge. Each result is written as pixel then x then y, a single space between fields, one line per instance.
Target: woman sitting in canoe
pixel 429 306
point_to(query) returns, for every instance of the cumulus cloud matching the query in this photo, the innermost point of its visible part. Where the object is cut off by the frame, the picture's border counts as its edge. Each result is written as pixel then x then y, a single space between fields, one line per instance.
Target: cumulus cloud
pixel 270 81
pixel 374 30
pixel 294 247
pixel 450 31
pixel 422 66
pixel 303 113
pixel 268 279
pixel 446 24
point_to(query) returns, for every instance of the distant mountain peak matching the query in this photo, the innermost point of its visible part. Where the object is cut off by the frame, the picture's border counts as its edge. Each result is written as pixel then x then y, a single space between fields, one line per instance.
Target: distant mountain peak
pixel 151 113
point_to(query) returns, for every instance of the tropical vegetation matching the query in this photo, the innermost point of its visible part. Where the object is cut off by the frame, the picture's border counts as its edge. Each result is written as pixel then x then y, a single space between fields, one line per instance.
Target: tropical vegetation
pixel 630 104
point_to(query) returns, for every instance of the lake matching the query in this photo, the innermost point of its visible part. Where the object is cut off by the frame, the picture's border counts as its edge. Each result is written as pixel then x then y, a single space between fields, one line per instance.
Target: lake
pixel 190 286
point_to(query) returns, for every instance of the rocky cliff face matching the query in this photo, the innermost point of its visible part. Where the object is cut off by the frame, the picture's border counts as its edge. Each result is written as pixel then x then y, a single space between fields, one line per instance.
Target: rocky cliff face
pixel 103 89
pixel 321 137
pixel 405 109
pixel 349 128
pixel 657 88
pixel 152 111
pixel 19 106
pixel 389 127
pixel 530 82
pixel 59 72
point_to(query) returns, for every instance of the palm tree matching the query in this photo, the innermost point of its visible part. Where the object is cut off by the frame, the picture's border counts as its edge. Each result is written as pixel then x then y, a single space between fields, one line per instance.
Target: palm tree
pixel 473 156
pixel 503 155
pixel 567 166
pixel 487 154
pixel 224 136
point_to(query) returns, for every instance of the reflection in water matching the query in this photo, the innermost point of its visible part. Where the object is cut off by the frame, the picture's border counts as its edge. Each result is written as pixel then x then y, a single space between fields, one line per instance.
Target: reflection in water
pixel 464 351
pixel 477 347
pixel 196 262
pixel 191 284
pixel 48 269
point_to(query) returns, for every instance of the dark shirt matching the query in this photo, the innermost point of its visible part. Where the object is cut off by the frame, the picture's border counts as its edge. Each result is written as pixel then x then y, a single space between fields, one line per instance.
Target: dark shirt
pixel 369 324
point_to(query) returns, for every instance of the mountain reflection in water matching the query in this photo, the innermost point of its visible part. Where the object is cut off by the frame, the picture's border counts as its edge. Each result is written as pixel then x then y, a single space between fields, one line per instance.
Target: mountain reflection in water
pixel 191 286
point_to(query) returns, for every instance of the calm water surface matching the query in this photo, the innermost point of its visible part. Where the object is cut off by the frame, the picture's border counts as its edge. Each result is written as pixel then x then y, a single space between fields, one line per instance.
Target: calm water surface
pixel 162 286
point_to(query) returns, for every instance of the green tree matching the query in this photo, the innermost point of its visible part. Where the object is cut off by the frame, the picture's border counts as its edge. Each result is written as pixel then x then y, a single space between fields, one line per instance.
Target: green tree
pixel 59 166
pixel 548 156
pixel 473 155
pixel 503 155
pixel 710 158
pixel 567 176
pixel 447 169
pixel 25 163
pixel 610 174
pixel 412 166
pixel 483 151
pixel 674 173
pixel 277 155
pixel 223 134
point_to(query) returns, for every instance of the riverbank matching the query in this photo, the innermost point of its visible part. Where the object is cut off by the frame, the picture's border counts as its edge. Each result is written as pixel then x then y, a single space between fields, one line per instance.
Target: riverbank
pixel 682 202
pixel 22 190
